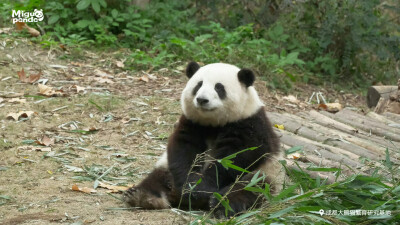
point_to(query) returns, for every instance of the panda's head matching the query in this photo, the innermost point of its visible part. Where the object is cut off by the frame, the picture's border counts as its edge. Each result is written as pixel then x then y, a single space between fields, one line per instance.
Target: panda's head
pixel 217 94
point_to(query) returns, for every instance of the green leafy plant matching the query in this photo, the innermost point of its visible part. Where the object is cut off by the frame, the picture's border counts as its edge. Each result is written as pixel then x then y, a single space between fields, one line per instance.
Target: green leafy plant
pixel 312 200
pixel 283 41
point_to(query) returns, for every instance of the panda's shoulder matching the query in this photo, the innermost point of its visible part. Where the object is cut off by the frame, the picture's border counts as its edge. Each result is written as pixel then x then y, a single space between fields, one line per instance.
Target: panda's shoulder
pixel 258 119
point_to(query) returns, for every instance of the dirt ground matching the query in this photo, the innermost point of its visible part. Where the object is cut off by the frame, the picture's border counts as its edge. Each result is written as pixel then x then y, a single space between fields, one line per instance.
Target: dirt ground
pixel 101 122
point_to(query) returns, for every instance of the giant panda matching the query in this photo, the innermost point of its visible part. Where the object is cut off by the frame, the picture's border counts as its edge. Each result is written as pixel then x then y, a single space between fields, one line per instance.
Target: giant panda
pixel 222 115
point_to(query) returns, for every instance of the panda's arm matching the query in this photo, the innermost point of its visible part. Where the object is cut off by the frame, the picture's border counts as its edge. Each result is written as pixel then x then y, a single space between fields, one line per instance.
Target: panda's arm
pixel 215 177
pixel 255 131
pixel 185 143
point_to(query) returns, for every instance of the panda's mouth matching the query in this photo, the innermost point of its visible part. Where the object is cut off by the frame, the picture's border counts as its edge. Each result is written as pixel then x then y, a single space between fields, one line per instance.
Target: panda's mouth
pixel 206 109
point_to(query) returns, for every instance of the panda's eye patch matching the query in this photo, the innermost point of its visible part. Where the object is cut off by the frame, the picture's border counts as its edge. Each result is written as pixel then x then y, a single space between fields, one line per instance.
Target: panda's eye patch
pixel 198 86
pixel 220 89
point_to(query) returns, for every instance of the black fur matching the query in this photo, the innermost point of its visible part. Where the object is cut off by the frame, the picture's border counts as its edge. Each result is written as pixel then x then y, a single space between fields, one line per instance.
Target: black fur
pixel 196 89
pixel 191 69
pixel 247 77
pixel 189 139
pixel 147 194
pixel 220 89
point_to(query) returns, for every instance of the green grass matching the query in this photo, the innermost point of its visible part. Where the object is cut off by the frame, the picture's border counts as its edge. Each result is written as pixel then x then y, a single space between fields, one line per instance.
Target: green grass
pixel 357 199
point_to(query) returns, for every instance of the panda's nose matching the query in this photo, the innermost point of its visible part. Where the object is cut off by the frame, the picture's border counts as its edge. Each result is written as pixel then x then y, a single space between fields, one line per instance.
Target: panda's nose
pixel 202 101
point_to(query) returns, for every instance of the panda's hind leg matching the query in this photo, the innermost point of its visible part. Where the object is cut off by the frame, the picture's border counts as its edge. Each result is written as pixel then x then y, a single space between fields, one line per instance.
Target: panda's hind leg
pixel 154 192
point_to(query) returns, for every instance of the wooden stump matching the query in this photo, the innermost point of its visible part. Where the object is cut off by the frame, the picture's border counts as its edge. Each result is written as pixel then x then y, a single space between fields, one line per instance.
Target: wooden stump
pixel 386 103
pixel 377 92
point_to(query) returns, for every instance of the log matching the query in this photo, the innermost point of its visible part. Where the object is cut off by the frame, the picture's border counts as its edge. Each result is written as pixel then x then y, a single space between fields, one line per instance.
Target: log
pixel 322 162
pixel 381 118
pixel 359 123
pixel 370 123
pixel 315 132
pixel 372 147
pixel 373 144
pixel 377 92
pixel 315 148
pixel 392 116
pixel 328 122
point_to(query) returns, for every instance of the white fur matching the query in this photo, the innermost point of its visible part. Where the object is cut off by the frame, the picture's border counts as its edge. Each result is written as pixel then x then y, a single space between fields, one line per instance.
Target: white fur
pixel 162 161
pixel 275 172
pixel 240 102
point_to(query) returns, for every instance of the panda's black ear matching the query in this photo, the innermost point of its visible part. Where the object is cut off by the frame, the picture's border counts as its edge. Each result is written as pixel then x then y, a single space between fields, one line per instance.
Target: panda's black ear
pixel 247 77
pixel 191 69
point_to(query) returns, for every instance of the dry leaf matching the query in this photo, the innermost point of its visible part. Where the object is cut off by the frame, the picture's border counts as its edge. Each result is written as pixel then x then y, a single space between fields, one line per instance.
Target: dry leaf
pixel 34 77
pixel 78 88
pixel 49 91
pixel 100 73
pixel 5 30
pixel 75 187
pixel 84 189
pixel 34 148
pixel 331 107
pixel 21 74
pixel 294 156
pixel 20 114
pixel 120 64
pixel 32 31
pixel 77 64
pixel 291 99
pixel 91 129
pixel 20 25
pixel 103 80
pixel 126 120
pixel 17 100
pixel 144 78
pixel 13 95
pixel 152 77
pixel 31 79
pixel 113 188
pixel 63 47
pixel 181 68
pixel 46 141
pixel 322 106
pixel 73 169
